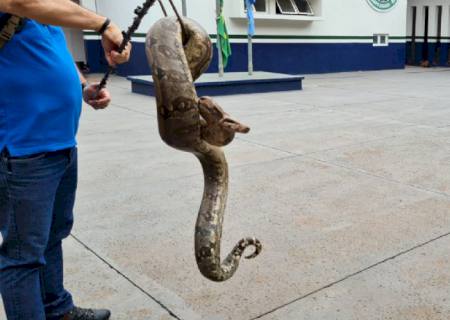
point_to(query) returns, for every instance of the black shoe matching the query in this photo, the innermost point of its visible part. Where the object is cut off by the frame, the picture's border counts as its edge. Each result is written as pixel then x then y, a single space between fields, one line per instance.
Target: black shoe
pixel 87 314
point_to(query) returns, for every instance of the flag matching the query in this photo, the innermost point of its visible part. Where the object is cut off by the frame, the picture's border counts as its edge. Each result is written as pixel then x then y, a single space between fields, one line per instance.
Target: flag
pixel 251 19
pixel 223 36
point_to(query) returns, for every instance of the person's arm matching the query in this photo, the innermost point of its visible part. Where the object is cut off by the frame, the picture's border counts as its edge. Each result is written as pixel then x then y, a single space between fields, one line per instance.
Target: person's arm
pixel 66 13
pixel 63 13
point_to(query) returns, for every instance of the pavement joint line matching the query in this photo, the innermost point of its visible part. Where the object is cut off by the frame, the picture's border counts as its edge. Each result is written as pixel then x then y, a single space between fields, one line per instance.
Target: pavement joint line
pixel 359 103
pixel 367 173
pixel 268 147
pixel 292 155
pixel 407 125
pixel 253 115
pixel 295 155
pixel 352 169
pixel 133 283
pixel 393 95
pixel 352 275
pixel 362 143
pixel 132 110
pixel 336 109
pixel 243 165
pixel 230 167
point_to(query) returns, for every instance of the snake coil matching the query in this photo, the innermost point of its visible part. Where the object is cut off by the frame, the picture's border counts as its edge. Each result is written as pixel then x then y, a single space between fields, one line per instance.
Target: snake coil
pixel 199 126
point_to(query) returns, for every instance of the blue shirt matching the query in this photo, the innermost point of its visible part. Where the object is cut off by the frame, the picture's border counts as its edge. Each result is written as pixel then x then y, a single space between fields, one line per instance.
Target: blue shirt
pixel 40 92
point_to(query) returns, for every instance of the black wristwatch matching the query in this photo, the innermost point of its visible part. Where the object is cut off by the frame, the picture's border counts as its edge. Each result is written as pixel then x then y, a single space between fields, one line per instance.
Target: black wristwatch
pixel 104 26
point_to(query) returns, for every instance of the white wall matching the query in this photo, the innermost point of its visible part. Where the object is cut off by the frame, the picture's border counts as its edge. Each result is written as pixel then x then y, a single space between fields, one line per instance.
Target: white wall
pixel 338 18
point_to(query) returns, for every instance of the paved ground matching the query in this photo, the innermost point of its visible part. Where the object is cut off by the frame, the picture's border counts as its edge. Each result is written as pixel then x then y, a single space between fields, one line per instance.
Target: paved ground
pixel 346 183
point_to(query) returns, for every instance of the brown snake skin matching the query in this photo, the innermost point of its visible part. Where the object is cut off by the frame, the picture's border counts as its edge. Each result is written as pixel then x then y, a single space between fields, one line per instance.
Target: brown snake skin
pixel 199 126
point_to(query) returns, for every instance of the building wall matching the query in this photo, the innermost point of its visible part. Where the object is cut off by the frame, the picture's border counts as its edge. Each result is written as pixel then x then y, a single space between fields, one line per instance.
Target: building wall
pixel 438 50
pixel 75 42
pixel 338 38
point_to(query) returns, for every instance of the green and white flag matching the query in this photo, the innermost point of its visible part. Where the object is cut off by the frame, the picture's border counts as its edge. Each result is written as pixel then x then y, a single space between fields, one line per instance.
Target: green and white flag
pixel 223 36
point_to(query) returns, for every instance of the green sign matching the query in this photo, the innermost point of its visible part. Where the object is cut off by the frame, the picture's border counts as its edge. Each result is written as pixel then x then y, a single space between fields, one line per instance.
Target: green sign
pixel 382 5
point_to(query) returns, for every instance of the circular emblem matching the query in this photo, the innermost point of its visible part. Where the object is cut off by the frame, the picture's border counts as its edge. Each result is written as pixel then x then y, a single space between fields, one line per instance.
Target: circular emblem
pixel 382 5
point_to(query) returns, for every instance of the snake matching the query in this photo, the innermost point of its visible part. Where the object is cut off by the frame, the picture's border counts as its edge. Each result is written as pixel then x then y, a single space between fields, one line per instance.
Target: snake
pixel 197 125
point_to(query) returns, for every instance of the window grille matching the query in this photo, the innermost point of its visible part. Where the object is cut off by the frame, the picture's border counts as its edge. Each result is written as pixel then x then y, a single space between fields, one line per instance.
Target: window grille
pixel 304 7
pixel 380 40
pixel 294 7
pixel 286 6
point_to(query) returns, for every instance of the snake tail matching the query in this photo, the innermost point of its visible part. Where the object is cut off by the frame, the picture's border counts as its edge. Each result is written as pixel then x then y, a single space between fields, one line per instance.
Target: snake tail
pixel 209 224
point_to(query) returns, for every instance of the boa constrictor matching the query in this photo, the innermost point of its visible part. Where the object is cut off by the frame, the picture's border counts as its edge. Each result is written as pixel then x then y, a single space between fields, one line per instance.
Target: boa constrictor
pixel 199 126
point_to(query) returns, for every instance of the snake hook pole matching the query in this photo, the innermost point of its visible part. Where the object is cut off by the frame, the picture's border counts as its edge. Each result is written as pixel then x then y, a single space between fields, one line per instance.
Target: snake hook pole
pixel 141 12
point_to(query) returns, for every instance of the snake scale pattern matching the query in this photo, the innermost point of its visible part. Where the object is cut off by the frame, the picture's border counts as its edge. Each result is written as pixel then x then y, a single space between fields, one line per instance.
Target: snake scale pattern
pixel 199 126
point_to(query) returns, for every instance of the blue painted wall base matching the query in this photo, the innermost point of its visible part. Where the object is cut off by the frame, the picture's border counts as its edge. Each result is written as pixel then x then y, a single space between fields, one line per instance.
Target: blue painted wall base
pixel 290 58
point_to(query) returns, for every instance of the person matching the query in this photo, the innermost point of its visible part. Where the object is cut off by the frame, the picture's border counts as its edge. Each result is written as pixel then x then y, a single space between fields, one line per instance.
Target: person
pixel 40 104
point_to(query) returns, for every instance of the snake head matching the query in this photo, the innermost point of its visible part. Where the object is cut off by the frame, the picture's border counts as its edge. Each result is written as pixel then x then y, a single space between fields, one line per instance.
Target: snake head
pixel 214 114
pixel 218 127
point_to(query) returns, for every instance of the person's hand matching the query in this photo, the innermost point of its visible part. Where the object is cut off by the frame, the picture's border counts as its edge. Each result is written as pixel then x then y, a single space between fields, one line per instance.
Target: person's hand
pixel 111 40
pixel 101 101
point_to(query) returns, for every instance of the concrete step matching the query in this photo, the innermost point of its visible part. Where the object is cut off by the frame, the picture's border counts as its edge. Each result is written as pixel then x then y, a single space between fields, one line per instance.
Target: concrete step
pixel 210 84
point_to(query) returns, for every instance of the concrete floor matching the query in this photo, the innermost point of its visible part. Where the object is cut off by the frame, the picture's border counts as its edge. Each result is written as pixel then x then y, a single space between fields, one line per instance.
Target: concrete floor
pixel 346 183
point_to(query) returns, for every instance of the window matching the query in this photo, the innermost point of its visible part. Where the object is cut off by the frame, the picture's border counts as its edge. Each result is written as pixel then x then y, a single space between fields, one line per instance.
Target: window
pixel 301 10
pixel 294 7
pixel 286 6
pixel 380 40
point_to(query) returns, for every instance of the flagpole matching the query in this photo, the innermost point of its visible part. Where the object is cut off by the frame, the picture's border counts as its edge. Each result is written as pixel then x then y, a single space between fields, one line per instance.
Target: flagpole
pixel 250 55
pixel 250 37
pixel 184 8
pixel 219 45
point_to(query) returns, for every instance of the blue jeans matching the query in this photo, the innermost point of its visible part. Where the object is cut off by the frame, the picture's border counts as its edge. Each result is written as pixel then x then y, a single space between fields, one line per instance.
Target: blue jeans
pixel 37 196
